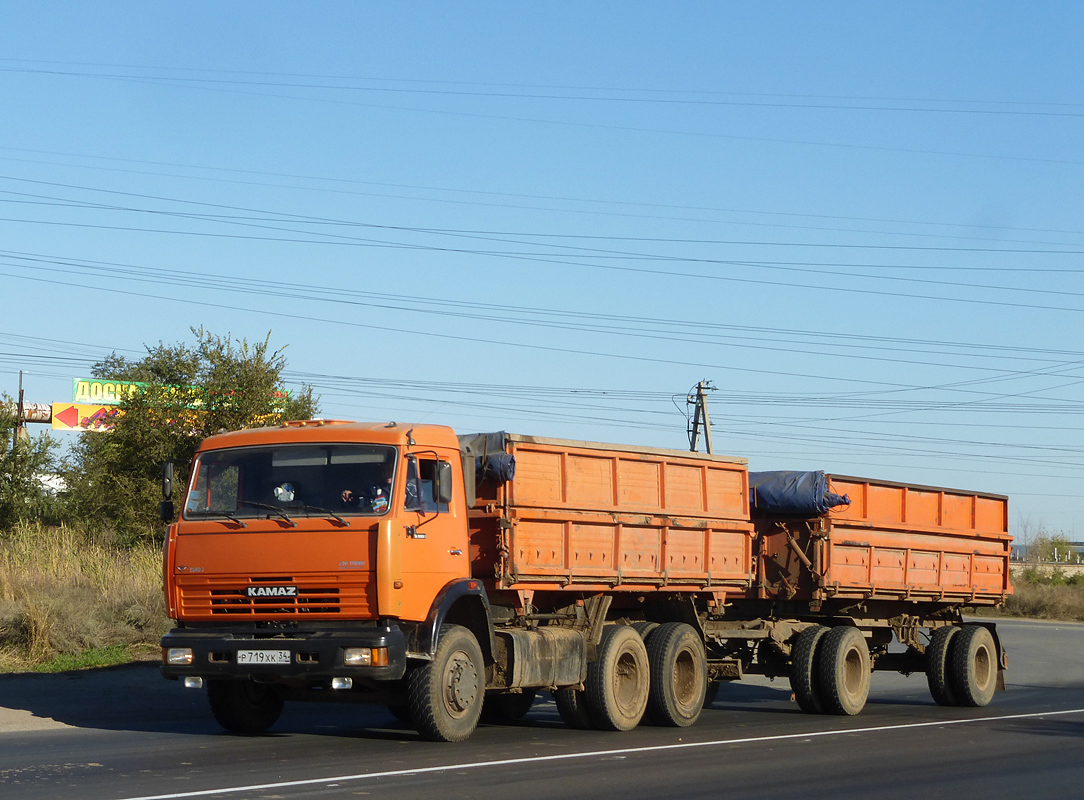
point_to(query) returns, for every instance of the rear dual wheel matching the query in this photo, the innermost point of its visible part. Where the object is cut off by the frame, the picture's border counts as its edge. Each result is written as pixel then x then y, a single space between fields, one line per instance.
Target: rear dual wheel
pixel 618 680
pixel 973 666
pixel 830 670
pixel 937 666
pixel 961 666
pixel 843 670
pixel 664 677
pixel 679 675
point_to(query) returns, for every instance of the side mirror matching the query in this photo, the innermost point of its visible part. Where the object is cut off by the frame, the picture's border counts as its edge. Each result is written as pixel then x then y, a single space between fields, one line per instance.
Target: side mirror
pixel 167 481
pixel 444 482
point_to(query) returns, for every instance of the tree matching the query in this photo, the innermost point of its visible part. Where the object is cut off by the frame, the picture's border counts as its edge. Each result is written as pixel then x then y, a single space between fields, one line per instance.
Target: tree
pixel 24 461
pixel 188 393
pixel 1046 547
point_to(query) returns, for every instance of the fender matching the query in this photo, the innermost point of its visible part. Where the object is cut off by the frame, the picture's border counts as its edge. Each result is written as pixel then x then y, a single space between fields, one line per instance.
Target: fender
pixel 465 600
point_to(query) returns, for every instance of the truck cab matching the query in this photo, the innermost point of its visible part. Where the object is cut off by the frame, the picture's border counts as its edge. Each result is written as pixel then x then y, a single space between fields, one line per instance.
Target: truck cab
pixel 313 557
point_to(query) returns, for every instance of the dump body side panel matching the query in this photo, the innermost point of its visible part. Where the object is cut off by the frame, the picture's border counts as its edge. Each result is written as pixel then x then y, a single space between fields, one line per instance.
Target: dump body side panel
pixel 894 541
pixel 581 514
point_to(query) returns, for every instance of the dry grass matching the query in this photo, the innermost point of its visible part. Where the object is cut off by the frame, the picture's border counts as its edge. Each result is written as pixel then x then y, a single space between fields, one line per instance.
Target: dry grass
pixel 63 594
pixel 1046 601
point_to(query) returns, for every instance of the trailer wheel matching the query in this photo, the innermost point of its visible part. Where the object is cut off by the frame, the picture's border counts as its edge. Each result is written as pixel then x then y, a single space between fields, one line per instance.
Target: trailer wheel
pixel 937 665
pixel 618 681
pixel 506 706
pixel 445 695
pixel 843 670
pixel 803 678
pixel 973 666
pixel 244 706
pixel 679 675
pixel 572 706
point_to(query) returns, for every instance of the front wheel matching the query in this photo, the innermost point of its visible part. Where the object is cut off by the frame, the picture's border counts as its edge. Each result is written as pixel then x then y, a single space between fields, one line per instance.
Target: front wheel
pixel 244 706
pixel 445 695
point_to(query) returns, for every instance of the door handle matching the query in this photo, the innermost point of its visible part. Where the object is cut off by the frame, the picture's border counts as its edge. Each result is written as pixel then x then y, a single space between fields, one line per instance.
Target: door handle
pixel 455 551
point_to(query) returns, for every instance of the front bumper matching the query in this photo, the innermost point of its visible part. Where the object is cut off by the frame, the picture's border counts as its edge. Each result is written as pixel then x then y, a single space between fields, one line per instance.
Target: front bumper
pixel 314 656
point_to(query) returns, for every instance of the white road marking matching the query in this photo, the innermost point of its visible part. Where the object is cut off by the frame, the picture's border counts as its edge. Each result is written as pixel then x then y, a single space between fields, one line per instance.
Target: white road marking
pixel 626 751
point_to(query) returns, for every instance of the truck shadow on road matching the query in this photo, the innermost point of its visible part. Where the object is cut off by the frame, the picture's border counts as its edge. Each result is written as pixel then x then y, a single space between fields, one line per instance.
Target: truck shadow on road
pixel 136 698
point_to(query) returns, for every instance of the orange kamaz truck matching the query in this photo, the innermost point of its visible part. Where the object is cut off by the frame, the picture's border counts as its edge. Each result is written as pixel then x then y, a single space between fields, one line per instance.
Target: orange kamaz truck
pixel 439 575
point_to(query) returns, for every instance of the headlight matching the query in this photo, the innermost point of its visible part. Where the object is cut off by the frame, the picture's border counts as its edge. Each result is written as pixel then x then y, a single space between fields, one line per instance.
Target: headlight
pixel 365 657
pixel 178 656
pixel 358 656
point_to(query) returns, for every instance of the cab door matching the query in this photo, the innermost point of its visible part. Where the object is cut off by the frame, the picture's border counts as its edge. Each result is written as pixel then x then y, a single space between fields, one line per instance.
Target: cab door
pixel 434 547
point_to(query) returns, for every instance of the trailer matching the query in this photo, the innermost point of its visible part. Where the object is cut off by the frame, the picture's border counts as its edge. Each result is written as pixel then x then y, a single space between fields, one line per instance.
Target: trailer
pixel 435 574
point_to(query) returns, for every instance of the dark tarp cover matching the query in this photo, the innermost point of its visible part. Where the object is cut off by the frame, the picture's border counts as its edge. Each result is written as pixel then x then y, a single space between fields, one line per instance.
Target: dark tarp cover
pixel 490 460
pixel 788 492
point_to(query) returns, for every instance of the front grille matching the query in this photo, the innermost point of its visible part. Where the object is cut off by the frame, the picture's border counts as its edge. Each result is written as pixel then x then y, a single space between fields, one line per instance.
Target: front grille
pixel 308 601
pixel 201 597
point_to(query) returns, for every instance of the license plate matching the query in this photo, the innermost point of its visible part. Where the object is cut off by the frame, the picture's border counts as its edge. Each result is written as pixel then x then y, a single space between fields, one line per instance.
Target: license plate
pixel 263 656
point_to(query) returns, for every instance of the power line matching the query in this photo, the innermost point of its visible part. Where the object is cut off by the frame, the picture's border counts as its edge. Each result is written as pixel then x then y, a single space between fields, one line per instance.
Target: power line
pixel 505 196
pixel 582 125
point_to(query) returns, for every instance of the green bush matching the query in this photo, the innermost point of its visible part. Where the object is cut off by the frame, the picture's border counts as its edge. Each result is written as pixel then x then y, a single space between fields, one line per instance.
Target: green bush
pixel 190 393
pixel 23 462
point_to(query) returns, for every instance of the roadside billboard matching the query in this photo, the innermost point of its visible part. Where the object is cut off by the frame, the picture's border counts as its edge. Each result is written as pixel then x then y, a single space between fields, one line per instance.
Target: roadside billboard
pixel 83 417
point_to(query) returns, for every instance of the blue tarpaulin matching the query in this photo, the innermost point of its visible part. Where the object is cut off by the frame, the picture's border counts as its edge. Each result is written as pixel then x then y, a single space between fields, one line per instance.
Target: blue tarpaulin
pixel 490 459
pixel 788 492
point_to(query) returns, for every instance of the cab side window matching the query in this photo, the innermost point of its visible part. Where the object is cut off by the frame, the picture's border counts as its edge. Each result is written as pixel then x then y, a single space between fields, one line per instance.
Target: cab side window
pixel 421 491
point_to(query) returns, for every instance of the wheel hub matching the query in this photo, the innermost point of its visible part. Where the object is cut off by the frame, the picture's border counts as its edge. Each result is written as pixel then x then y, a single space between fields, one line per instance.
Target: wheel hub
pixel 461 683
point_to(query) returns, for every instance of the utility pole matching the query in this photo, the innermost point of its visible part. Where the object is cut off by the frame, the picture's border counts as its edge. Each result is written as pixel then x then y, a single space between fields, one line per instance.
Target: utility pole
pixel 20 421
pixel 700 416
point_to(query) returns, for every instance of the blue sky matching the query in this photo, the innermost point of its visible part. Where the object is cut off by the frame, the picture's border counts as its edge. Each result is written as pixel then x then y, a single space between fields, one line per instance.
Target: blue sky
pixel 861 222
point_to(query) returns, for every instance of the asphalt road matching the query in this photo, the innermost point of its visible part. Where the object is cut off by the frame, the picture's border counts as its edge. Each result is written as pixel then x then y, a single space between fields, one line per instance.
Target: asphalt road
pixel 126 733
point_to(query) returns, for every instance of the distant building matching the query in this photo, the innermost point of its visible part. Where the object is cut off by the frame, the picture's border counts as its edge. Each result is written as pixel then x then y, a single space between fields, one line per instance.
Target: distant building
pixel 52 484
pixel 1071 553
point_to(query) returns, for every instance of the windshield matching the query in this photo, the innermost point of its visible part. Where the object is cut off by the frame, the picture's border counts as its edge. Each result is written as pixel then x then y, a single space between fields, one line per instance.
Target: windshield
pixel 301 480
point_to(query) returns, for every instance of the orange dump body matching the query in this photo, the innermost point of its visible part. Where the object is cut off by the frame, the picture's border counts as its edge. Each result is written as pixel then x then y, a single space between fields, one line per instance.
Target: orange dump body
pixel 586 516
pixel 894 541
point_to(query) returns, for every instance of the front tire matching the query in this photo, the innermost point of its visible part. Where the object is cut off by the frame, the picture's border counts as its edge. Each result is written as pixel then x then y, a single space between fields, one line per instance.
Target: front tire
pixel 445 695
pixel 244 706
pixel 618 681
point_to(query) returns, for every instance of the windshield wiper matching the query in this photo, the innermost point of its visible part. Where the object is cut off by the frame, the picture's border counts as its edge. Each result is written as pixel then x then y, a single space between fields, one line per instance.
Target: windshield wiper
pixel 272 509
pixel 225 514
pixel 327 511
